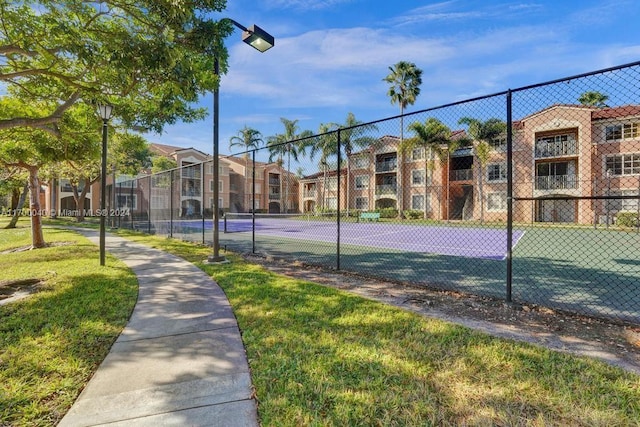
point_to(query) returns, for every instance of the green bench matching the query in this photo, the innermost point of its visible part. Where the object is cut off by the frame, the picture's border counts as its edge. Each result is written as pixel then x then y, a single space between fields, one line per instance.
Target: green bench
pixel 369 216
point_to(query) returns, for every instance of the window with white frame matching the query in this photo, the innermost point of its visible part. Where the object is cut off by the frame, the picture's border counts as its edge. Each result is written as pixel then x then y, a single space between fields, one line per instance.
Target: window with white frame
pixel 255 203
pixel 417 177
pixel 628 205
pixel 211 185
pixel 159 202
pixel 497 201
pixel 332 203
pixel 417 201
pixel 417 153
pixel 127 201
pixel 362 203
pixel 220 186
pixel 497 172
pixel 622 131
pixel 360 162
pixel 361 182
pixel 623 164
pixel 332 183
pixel 499 144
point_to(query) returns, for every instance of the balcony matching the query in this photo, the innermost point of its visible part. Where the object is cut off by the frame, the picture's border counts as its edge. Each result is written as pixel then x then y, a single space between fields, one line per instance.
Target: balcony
pixel 191 173
pixel 387 166
pixel 192 192
pixel 556 149
pixel 309 194
pixel 461 175
pixel 385 189
pixel 557 182
pixel 274 196
pixel 274 181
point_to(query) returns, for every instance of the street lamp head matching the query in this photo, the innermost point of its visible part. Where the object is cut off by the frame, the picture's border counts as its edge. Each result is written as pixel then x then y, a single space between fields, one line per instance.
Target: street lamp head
pixel 104 110
pixel 258 38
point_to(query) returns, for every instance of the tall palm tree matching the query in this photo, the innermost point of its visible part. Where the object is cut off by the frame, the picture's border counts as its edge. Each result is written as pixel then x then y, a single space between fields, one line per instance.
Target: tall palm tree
pixel 593 99
pixel 325 144
pixel 247 139
pixel 354 137
pixel 435 138
pixel 405 80
pixel 482 134
pixel 290 143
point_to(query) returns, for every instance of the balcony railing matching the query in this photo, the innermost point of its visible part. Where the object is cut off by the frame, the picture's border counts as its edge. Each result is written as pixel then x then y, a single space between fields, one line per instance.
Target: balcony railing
pixel 191 173
pixel 274 196
pixel 557 182
pixel 386 189
pixel 274 181
pixel 556 149
pixel 191 192
pixel 386 166
pixel 309 193
pixel 461 175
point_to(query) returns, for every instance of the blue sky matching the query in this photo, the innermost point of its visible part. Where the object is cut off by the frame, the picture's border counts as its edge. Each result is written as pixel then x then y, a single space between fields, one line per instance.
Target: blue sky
pixel 330 56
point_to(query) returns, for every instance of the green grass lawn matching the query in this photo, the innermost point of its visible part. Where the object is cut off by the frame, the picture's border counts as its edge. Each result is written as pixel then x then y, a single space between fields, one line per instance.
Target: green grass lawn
pixel 53 341
pixel 320 356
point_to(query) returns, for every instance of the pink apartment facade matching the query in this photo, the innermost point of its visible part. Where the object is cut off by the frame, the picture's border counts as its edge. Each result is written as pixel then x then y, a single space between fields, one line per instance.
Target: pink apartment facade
pixel 559 152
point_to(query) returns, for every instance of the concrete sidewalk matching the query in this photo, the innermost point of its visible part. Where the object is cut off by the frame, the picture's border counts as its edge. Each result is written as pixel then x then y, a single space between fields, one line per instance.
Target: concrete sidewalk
pixel 180 359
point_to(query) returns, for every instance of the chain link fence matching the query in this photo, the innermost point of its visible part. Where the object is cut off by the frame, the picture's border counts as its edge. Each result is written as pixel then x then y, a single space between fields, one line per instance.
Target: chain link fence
pixel 530 195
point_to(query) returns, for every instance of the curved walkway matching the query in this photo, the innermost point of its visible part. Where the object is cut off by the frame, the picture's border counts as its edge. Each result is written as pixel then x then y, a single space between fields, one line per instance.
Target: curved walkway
pixel 180 359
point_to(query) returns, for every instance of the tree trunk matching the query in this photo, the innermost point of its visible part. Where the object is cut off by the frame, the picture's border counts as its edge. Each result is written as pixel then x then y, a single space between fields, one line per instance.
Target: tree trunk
pixel 18 207
pixel 399 183
pixel 79 198
pixel 37 238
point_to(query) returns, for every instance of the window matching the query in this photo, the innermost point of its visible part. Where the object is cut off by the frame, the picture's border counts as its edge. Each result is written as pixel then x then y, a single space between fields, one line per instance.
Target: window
pixel 255 203
pixel 362 203
pixel 417 154
pixel 220 186
pixel 417 177
pixel 362 182
pixel 623 164
pixel 497 172
pixel 417 201
pixel 211 186
pixel 497 201
pixel 127 201
pixel 360 162
pixel 332 183
pixel 622 131
pixel 332 203
pixel 499 144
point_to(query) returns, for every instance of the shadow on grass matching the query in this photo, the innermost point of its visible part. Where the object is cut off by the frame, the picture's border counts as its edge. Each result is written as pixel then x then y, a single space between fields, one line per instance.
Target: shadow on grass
pixel 53 341
pixel 319 355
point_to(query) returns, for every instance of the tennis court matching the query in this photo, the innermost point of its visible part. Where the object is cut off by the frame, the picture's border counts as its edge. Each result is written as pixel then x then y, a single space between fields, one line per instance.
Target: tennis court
pixel 485 243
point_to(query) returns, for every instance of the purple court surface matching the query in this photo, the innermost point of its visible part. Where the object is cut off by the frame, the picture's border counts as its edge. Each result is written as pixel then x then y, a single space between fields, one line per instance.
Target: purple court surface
pixel 474 242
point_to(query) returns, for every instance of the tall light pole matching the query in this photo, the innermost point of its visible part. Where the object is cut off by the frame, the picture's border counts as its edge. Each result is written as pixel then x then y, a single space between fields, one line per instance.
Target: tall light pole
pixel 104 110
pixel 259 39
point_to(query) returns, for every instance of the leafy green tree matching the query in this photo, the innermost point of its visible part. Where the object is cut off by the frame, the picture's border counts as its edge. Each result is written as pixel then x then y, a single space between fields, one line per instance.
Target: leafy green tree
pixel 150 59
pixel 162 163
pixel 291 143
pixel 325 144
pixel 247 139
pixel 405 79
pixel 14 184
pixel 353 136
pixel 593 99
pixel 434 137
pixel 482 133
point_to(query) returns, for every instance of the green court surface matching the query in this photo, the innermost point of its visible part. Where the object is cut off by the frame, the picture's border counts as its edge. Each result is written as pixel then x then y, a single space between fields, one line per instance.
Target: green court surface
pixel 582 270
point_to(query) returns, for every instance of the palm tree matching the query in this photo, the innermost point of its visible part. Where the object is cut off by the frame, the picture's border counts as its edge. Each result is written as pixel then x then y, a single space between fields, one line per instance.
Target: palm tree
pixel 326 144
pixel 405 79
pixel 290 143
pixel 353 137
pixel 435 138
pixel 483 133
pixel 593 99
pixel 247 139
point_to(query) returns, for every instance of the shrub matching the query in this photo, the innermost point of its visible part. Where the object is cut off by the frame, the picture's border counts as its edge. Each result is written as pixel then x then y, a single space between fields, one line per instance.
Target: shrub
pixel 387 212
pixel 414 214
pixel 627 219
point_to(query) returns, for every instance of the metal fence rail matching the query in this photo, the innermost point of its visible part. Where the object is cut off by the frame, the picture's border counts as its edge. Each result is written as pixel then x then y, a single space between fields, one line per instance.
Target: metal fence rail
pixel 531 195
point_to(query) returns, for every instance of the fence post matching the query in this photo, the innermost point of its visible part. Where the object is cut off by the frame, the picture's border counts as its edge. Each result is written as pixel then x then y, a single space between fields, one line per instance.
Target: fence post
pixel 149 208
pixel 509 197
pixel 202 188
pixel 339 155
pixel 171 204
pixel 253 197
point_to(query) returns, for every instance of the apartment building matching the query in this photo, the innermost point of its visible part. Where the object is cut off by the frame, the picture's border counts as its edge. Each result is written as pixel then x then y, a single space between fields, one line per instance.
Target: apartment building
pixel 561 151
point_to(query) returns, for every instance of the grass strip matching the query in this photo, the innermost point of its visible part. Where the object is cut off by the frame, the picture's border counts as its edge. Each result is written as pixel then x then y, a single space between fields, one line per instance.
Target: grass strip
pixel 52 341
pixel 324 357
